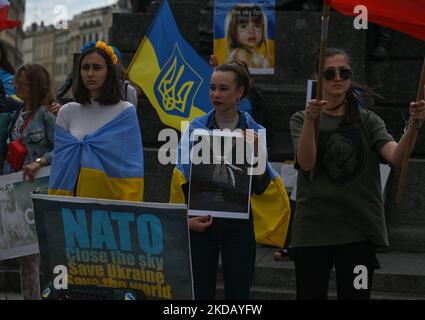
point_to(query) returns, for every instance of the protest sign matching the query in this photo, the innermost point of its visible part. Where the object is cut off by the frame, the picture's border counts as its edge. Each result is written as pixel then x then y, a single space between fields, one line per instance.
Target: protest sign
pixel 18 236
pixel 116 244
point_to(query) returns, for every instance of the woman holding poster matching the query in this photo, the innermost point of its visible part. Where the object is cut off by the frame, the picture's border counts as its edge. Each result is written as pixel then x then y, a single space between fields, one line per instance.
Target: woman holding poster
pixel 233 239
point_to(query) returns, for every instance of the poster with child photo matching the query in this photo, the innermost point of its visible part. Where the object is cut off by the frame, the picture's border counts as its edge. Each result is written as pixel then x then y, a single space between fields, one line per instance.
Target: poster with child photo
pixel 244 31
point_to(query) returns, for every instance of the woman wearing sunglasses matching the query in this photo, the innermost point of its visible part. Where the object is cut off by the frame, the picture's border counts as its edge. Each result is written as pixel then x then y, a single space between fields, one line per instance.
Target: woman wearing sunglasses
pixel 339 218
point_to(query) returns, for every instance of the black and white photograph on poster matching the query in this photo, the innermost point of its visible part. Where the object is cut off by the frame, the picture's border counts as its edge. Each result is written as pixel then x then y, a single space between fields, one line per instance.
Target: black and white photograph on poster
pixel 220 185
pixel 18 235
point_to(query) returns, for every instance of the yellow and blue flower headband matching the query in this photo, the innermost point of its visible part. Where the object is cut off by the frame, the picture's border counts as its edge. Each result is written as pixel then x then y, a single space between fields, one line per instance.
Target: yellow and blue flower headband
pixel 112 52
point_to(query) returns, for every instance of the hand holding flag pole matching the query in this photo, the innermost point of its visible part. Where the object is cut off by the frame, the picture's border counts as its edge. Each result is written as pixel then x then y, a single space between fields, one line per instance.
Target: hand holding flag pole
pixel 411 140
pixel 319 92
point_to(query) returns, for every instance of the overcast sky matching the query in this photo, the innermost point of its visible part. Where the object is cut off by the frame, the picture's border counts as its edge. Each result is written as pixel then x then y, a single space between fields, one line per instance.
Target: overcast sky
pixel 44 10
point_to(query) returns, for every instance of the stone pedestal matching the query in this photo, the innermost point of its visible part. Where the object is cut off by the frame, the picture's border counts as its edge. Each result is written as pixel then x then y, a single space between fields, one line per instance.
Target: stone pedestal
pixel 406 220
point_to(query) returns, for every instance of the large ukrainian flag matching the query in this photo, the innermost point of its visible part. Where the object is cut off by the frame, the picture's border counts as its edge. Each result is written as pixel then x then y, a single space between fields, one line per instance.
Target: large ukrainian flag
pixel 170 72
pixel 107 164
pixel 271 210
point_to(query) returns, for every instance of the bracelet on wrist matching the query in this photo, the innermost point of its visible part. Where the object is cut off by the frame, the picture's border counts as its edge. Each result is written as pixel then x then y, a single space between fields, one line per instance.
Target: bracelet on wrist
pixel 39 161
pixel 415 123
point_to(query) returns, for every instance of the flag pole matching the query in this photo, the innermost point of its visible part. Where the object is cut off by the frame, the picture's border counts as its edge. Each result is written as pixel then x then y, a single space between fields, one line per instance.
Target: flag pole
pixel 411 140
pixel 319 89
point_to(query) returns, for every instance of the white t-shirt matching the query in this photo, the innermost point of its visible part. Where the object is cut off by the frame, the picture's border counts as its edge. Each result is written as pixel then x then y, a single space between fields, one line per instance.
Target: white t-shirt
pixel 81 120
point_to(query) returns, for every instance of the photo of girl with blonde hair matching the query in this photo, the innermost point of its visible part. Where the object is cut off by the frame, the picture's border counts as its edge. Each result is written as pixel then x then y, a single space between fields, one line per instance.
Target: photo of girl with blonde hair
pixel 246 37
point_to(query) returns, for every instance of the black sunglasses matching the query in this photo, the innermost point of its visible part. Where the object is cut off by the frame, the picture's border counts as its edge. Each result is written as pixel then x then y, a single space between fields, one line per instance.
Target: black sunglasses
pixel 344 73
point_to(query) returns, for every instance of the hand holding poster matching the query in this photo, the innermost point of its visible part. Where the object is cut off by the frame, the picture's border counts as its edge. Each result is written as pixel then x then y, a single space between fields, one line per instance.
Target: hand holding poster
pixel 115 244
pixel 244 31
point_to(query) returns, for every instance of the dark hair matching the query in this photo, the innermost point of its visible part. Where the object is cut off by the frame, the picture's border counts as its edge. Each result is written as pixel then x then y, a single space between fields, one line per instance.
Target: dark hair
pixel 38 82
pixel 241 72
pixel 110 93
pixel 4 62
pixel 242 64
pixel 355 93
pixel 121 72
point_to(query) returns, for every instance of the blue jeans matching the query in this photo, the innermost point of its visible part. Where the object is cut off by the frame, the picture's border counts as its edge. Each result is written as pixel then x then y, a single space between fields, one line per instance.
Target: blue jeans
pixel 235 240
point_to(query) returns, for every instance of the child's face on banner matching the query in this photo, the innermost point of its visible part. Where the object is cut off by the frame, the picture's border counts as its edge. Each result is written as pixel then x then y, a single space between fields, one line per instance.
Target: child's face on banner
pixel 249 31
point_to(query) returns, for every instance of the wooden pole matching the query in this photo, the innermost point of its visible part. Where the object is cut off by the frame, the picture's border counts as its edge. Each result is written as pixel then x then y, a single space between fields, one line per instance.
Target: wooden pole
pixel 319 89
pixel 411 140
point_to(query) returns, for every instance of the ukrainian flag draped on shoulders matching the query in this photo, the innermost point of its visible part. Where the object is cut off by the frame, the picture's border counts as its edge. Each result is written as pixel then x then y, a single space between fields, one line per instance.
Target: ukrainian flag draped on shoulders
pixel 271 210
pixel 107 164
pixel 171 73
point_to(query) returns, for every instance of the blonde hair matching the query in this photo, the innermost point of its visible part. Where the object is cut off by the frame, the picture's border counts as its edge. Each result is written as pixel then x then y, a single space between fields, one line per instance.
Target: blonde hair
pixel 233 18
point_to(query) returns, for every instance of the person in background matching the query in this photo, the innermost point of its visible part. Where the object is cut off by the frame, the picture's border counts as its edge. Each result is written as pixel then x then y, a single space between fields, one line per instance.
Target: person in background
pixel 9 102
pixel 6 71
pixel 34 126
pixel 129 92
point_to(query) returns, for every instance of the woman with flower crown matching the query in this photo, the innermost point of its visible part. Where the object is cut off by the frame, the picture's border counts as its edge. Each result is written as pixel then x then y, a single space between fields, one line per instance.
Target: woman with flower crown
pixel 98 146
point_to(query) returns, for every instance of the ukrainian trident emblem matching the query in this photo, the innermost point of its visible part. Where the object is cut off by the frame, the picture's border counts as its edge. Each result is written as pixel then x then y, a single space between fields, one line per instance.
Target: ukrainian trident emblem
pixel 177 85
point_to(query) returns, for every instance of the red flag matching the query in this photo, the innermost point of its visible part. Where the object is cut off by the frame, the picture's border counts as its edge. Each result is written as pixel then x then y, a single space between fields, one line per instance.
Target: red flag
pixel 4 14
pixel 407 16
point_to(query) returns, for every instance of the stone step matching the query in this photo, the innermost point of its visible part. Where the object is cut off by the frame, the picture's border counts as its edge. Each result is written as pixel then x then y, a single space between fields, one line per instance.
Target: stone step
pixel 402 276
pixel 283 278
pixel 407 237
pixel 405 221
pixel 265 293
pixel 10 295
